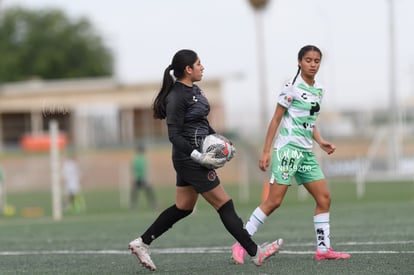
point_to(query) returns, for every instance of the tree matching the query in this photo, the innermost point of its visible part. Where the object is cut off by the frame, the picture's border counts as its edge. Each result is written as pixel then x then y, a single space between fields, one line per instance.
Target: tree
pixel 46 44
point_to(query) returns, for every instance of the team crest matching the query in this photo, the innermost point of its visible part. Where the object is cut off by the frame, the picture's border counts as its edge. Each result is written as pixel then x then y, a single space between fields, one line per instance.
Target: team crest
pixel 285 175
pixel 288 99
pixel 212 175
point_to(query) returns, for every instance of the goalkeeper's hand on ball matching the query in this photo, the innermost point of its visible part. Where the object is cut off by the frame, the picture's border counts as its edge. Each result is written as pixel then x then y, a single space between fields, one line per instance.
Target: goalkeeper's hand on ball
pixel 208 160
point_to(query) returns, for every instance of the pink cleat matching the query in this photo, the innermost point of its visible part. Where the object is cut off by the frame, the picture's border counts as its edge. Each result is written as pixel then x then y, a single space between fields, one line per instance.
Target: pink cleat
pixel 331 255
pixel 238 253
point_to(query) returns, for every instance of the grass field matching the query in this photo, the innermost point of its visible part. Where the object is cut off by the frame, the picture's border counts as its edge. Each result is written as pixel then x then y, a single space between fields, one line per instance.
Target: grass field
pixel 377 230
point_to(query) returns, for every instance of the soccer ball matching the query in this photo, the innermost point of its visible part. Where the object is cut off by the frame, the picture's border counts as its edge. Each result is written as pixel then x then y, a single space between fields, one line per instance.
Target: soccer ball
pixel 218 144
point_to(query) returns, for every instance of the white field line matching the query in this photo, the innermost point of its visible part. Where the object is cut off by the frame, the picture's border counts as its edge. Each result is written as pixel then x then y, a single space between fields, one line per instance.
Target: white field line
pixel 216 249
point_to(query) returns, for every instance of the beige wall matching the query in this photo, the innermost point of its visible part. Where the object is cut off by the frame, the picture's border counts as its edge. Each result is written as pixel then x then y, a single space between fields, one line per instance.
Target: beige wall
pixel 43 99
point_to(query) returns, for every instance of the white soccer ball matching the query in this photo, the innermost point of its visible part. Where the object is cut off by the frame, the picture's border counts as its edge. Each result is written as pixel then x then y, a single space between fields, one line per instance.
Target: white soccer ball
pixel 218 144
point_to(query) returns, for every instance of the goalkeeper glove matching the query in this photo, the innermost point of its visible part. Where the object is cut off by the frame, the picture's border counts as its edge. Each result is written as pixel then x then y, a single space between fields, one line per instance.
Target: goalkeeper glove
pixel 207 159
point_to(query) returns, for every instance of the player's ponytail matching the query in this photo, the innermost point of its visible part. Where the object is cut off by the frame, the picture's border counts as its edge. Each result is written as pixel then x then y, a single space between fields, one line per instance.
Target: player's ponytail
pixel 159 103
pixel 181 60
pixel 296 76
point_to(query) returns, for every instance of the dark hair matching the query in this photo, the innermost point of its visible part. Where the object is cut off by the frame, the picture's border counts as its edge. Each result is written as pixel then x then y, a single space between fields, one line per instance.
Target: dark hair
pixel 302 53
pixel 180 61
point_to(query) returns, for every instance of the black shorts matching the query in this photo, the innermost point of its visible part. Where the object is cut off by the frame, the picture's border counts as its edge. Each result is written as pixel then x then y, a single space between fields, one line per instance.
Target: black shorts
pixel 190 173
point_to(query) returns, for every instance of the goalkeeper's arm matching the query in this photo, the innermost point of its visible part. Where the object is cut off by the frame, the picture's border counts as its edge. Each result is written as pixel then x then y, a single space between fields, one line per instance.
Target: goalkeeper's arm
pixel 177 140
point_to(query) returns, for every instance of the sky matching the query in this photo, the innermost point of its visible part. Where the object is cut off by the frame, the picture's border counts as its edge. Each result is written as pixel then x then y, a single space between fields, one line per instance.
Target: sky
pixel 353 35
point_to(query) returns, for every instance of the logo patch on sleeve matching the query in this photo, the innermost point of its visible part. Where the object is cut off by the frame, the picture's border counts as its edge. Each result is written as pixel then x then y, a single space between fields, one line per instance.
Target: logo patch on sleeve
pixel 288 99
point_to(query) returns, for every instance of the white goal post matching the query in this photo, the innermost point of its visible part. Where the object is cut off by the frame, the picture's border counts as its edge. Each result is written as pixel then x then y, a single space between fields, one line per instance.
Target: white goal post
pixel 56 188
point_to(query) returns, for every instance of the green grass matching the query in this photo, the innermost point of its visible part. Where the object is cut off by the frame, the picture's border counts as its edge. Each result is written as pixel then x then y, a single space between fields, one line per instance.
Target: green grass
pixel 378 230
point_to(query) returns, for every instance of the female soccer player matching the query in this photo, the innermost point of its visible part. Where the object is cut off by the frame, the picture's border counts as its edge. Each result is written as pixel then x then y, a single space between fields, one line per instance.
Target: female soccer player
pixel 185 107
pixel 297 109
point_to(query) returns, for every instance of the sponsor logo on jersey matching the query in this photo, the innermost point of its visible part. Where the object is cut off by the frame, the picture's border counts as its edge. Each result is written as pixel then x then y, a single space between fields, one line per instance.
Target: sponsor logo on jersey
pixel 304 96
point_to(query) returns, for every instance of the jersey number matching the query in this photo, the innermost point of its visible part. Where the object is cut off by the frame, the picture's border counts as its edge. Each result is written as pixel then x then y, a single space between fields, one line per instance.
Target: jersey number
pixel 290 162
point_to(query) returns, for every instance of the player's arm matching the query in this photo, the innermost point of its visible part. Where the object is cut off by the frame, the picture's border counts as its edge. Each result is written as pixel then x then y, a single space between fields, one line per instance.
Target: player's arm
pixel 264 161
pixel 274 124
pixel 325 145
pixel 176 138
pixel 175 108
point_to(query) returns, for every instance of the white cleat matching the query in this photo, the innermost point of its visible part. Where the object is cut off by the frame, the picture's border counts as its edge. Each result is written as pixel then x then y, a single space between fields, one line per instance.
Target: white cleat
pixel 266 251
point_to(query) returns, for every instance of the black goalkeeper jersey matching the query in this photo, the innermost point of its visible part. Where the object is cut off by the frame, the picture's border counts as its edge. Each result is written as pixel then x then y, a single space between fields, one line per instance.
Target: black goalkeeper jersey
pixel 187 109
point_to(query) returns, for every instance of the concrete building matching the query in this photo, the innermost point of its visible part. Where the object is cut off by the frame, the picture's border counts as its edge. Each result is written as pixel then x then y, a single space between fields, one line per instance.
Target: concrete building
pixel 90 112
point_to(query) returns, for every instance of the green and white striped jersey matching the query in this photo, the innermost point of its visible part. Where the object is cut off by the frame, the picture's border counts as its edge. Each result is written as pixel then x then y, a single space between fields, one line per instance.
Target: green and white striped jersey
pixel 303 105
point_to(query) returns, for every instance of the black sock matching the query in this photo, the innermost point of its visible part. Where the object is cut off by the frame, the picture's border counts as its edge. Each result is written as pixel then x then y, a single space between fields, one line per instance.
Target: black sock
pixel 164 222
pixel 234 225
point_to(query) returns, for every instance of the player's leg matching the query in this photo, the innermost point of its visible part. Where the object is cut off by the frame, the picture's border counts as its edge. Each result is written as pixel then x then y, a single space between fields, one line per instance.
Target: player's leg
pixel 313 179
pixel 79 203
pixel 282 171
pixel 219 199
pixel 186 199
pixel 134 194
pixel 279 182
pixel 320 192
pixel 71 201
pixel 259 215
pixel 150 195
pixel 271 203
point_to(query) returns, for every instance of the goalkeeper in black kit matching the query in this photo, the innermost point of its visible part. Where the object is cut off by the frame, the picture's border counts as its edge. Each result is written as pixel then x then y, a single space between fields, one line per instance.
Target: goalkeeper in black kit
pixel 185 108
